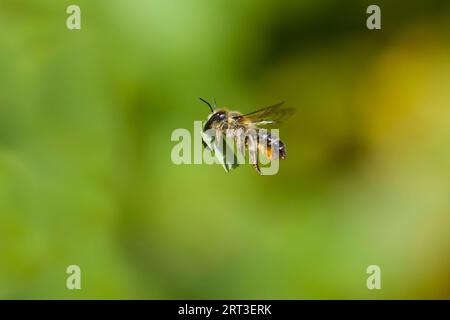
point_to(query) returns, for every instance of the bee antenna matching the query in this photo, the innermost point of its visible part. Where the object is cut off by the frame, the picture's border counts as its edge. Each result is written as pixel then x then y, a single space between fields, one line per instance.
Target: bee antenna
pixel 209 105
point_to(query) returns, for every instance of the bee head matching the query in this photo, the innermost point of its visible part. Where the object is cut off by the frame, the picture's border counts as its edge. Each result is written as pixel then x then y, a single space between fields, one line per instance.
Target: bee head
pixel 216 117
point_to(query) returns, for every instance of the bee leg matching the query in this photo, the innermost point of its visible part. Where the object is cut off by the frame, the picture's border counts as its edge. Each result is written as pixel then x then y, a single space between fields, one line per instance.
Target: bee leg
pixel 256 166
pixel 253 151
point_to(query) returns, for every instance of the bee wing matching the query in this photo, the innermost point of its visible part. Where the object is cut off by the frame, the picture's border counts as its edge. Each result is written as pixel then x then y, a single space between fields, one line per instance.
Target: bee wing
pixel 269 116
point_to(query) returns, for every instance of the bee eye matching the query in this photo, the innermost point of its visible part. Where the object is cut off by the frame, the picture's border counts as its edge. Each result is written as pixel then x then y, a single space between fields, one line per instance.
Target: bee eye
pixel 218 116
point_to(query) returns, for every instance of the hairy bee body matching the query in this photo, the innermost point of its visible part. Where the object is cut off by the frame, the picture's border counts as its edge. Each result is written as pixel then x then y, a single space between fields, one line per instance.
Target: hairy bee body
pixel 252 128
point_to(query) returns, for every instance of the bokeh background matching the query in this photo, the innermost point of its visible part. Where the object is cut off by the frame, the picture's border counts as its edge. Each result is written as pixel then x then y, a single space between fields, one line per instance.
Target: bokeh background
pixel 86 176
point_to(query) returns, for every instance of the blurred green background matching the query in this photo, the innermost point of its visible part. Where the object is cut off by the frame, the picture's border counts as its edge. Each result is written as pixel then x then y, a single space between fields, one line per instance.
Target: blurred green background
pixel 86 176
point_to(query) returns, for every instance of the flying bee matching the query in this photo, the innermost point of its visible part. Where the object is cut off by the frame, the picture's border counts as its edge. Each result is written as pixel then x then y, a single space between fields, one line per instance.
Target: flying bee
pixel 252 127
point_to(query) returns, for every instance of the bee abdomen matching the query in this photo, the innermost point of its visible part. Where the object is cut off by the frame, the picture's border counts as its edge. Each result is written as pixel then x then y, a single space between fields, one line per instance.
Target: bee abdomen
pixel 275 143
pixel 281 149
